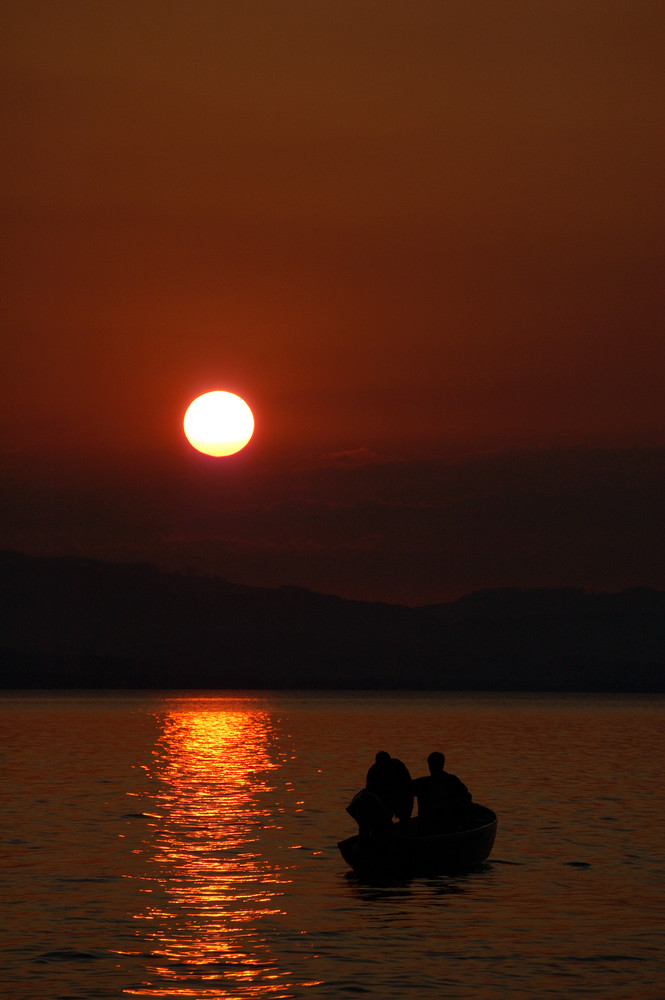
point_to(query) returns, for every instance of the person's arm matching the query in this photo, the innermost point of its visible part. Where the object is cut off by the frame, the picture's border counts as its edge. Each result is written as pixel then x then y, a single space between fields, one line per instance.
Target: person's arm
pixel 462 793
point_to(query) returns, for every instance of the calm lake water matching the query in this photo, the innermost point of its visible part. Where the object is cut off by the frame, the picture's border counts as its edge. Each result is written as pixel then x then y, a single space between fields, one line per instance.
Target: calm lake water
pixel 166 845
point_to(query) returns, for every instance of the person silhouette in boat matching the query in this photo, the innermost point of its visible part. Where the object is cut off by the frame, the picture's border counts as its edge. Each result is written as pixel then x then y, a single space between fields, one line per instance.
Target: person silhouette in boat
pixel 444 802
pixel 388 778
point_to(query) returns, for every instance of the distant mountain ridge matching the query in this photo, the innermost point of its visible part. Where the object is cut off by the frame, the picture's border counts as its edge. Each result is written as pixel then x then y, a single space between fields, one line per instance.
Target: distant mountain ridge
pixel 80 623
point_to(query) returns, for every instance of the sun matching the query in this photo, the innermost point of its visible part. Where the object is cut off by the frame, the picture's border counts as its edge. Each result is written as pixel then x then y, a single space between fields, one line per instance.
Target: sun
pixel 218 423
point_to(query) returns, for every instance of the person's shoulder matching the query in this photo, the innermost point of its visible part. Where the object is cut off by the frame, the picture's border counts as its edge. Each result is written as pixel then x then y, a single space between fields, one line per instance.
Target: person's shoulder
pixel 456 783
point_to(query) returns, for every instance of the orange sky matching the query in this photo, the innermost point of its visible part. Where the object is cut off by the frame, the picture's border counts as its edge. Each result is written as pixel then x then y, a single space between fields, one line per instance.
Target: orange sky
pixel 423 229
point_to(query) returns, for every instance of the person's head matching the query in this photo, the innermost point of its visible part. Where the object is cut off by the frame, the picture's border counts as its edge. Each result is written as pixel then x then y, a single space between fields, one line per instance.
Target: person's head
pixel 436 762
pixel 382 758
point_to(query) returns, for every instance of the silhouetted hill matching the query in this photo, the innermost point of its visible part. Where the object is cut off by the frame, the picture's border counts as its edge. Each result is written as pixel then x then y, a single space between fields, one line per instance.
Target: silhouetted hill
pixel 67 622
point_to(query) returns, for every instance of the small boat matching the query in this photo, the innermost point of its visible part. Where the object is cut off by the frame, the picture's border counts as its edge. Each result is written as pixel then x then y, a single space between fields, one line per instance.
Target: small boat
pixel 405 853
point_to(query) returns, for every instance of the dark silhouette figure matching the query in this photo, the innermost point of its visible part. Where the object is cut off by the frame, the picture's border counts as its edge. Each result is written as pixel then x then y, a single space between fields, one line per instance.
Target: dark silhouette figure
pixel 389 779
pixel 444 802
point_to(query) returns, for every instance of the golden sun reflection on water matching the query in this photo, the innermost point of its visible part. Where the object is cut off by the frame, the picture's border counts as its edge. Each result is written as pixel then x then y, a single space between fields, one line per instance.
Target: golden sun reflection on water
pixel 211 897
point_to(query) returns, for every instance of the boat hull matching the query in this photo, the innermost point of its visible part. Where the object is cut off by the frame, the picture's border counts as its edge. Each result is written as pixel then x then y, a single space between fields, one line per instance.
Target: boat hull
pixel 410 854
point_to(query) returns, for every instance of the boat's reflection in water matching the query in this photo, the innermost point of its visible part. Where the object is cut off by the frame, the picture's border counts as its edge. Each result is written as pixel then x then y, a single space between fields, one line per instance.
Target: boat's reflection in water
pixel 212 898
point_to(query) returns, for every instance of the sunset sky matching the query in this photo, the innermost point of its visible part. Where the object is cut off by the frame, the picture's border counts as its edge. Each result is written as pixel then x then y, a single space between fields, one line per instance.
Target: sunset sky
pixel 423 239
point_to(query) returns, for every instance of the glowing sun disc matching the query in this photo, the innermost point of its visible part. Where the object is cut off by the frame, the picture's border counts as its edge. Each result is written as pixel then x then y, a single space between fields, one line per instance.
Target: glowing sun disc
pixel 218 423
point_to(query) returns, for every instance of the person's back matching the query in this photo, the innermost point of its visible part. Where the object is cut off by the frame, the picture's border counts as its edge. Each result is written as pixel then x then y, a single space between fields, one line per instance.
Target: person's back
pixel 443 800
pixel 389 779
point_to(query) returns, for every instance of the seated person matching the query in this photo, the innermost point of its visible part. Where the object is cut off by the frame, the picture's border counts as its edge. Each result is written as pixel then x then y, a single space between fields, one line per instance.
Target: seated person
pixel 444 801
pixel 389 779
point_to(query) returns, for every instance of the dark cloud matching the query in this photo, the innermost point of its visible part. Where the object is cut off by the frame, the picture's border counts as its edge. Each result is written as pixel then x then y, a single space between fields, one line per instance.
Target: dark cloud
pixel 351 458
pixel 412 532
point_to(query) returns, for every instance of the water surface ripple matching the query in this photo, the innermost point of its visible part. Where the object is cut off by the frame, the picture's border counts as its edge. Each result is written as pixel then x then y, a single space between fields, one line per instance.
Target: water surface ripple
pixel 165 845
